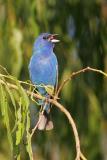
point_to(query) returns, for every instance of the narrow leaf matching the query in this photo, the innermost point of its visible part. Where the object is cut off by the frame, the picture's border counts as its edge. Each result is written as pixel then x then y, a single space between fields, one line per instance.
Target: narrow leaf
pixel 19 125
pixel 5 114
pixel 49 89
pixel 2 99
pixel 29 147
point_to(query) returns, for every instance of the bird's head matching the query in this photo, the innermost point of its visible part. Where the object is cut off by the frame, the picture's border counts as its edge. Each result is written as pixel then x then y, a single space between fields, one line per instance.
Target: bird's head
pixel 45 40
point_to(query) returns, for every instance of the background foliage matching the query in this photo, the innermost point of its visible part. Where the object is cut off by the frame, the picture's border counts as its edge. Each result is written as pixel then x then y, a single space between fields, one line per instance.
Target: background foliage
pixel 82 29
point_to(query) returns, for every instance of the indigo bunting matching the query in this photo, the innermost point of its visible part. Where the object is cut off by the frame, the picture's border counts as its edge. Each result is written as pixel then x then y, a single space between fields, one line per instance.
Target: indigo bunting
pixel 43 69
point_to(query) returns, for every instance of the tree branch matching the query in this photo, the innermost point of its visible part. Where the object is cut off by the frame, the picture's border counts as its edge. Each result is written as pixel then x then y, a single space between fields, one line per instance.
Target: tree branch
pixel 76 73
pixel 62 108
pixel 54 101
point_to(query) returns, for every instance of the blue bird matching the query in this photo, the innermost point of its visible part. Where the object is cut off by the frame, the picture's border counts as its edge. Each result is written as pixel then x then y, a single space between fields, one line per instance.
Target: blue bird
pixel 43 69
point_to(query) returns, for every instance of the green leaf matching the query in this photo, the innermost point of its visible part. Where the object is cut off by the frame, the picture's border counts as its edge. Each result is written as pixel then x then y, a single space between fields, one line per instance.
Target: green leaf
pixel 2 99
pixel 11 96
pixel 18 158
pixel 28 136
pixel 19 125
pixel 22 114
pixel 25 105
pixel 25 99
pixel 6 121
pixel 5 113
pixel 49 89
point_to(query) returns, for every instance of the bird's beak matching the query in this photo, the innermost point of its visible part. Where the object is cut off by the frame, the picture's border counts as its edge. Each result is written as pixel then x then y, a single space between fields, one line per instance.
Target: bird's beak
pixel 53 39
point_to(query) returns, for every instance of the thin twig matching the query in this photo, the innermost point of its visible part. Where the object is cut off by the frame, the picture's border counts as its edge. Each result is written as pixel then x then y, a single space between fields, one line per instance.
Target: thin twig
pixel 82 156
pixel 34 129
pixel 76 73
pixel 65 111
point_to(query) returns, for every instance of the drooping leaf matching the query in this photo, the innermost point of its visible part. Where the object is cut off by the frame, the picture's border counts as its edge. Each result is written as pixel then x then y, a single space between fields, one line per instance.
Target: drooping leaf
pixel 7 123
pixel 2 99
pixel 21 114
pixel 19 124
pixel 11 97
pixel 18 157
pixel 28 136
pixel 5 114
pixel 23 94
pixel 49 89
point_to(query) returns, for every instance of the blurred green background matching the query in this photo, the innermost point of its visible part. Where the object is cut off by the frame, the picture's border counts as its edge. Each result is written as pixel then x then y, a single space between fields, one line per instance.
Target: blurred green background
pixel 82 29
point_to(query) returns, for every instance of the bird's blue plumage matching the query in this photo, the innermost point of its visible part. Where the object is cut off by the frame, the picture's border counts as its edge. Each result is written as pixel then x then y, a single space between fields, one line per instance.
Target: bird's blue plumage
pixel 43 66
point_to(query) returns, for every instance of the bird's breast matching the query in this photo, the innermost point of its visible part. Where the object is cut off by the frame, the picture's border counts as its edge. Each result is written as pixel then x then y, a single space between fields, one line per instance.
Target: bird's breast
pixel 43 69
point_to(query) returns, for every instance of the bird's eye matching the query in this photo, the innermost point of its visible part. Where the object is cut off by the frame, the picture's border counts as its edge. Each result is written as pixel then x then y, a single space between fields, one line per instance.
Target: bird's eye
pixel 45 37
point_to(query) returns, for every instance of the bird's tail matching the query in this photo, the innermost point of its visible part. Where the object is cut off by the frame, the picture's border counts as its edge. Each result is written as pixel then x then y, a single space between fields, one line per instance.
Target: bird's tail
pixel 44 122
pixel 44 119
